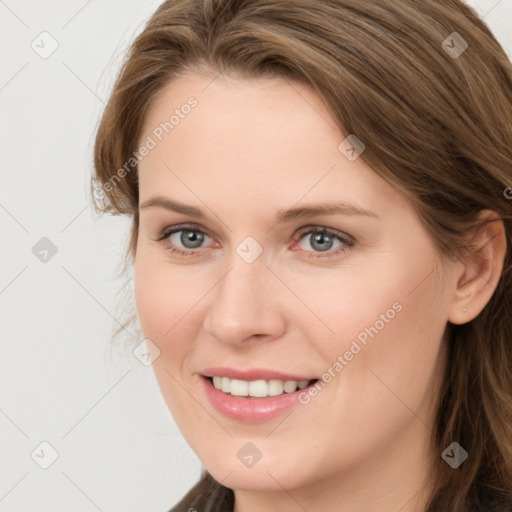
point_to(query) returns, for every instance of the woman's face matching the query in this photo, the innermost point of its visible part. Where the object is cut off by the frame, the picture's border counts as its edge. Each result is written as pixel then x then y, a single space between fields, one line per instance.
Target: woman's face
pixel 295 261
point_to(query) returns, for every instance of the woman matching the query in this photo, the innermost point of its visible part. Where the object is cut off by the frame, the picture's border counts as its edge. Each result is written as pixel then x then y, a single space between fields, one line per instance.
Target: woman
pixel 320 194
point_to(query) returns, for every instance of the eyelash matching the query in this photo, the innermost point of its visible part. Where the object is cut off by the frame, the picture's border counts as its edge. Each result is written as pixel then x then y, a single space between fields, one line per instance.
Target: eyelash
pixel 346 241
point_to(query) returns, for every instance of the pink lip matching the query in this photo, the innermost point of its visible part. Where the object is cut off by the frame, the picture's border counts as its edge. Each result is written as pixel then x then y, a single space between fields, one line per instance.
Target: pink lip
pixel 247 409
pixel 254 374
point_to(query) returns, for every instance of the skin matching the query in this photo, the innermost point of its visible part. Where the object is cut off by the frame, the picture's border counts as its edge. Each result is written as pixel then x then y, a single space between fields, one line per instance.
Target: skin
pixel 249 149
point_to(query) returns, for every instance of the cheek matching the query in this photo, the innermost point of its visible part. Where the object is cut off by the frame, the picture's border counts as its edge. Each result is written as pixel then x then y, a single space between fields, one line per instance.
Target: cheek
pixel 387 325
pixel 389 340
pixel 163 295
pixel 165 307
pixel 154 300
pixel 353 304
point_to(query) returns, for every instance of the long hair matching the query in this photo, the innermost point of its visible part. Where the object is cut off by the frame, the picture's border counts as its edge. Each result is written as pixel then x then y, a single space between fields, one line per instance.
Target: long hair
pixel 428 89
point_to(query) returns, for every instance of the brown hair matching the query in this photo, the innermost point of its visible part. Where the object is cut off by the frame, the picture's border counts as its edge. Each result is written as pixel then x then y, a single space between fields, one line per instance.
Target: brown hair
pixel 437 125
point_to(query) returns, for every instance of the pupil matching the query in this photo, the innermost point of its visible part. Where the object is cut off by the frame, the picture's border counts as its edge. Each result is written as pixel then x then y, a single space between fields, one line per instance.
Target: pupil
pixel 325 241
pixel 191 237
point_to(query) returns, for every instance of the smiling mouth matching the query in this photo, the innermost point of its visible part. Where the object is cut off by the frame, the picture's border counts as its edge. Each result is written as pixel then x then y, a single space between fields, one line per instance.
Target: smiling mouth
pixel 258 388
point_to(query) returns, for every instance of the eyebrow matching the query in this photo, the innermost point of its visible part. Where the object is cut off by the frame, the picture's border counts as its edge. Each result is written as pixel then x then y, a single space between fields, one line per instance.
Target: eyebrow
pixel 301 212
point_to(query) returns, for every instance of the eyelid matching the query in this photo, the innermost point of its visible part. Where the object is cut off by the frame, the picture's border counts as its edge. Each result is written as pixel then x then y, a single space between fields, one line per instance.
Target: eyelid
pixel 164 234
pixel 169 230
pixel 345 237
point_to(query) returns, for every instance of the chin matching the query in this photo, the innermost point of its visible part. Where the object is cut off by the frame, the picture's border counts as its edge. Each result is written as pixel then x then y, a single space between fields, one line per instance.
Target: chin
pixel 264 476
pixel 251 480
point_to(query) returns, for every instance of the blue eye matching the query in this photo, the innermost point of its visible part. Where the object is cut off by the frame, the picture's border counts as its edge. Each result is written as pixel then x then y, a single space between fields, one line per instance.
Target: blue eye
pixel 324 241
pixel 189 237
pixel 320 241
pixel 186 240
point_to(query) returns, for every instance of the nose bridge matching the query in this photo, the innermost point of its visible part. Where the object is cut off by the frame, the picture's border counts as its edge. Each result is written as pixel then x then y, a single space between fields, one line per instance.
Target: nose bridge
pixel 242 283
pixel 241 307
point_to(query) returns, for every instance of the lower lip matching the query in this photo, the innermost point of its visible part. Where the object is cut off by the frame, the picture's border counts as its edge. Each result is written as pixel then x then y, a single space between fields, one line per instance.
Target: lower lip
pixel 250 410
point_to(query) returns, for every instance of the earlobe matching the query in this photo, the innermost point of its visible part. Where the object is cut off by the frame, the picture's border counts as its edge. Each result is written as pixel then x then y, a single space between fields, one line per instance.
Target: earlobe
pixel 481 270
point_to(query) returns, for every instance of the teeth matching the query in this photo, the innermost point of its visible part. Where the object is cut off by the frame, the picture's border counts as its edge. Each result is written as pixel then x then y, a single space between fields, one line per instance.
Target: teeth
pixel 226 385
pixel 290 386
pixel 275 387
pixel 257 388
pixel 239 387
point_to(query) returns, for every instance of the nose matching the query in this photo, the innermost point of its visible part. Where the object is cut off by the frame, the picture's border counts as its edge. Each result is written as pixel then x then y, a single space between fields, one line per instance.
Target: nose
pixel 245 305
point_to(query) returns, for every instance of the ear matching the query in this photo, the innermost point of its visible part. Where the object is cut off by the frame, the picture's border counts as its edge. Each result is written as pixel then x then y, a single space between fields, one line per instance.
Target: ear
pixel 480 270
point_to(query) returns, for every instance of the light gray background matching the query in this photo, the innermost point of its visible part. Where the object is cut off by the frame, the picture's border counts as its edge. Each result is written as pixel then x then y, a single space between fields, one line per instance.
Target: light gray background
pixel 119 449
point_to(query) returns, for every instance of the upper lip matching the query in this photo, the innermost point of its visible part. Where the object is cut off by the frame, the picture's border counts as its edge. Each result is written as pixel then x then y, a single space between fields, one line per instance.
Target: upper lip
pixel 252 374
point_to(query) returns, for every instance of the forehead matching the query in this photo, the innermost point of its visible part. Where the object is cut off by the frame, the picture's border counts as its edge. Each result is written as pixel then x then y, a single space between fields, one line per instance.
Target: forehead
pixel 270 105
pixel 264 137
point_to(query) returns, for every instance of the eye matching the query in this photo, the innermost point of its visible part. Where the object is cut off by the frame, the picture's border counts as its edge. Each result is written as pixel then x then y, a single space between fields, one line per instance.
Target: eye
pixel 188 239
pixel 323 240
pixel 183 239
